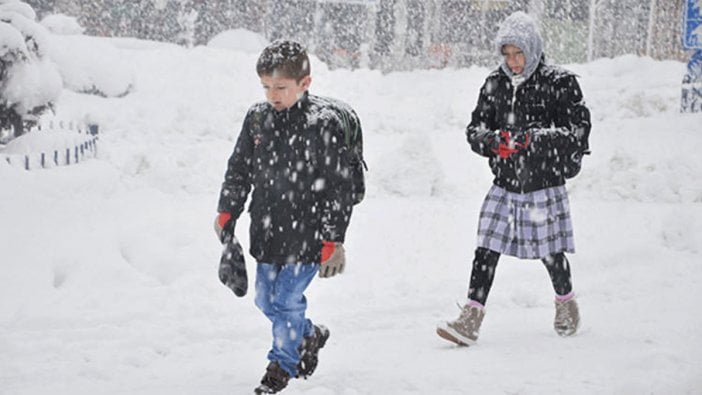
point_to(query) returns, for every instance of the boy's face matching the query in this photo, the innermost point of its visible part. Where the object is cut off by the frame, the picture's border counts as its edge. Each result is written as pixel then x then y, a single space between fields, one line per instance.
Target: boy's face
pixel 283 93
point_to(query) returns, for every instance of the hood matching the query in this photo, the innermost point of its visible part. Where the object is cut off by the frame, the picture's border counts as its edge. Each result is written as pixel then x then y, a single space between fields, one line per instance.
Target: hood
pixel 520 30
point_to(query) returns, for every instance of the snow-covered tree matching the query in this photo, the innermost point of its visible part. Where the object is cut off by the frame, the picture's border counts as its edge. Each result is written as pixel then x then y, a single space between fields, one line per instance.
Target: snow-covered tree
pixel 29 82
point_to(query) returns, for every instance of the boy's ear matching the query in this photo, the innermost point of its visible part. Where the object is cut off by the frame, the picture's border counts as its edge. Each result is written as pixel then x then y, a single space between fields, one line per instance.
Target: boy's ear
pixel 305 82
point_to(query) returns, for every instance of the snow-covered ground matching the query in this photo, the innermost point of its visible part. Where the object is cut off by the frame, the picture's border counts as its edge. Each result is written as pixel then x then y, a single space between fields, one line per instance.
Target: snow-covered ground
pixel 108 268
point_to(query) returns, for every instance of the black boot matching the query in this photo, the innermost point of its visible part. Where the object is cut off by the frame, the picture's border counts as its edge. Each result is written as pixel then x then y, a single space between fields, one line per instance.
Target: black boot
pixel 274 381
pixel 309 351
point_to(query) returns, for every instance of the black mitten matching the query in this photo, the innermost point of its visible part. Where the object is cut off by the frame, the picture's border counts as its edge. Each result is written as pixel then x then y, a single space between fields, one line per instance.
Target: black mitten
pixel 232 268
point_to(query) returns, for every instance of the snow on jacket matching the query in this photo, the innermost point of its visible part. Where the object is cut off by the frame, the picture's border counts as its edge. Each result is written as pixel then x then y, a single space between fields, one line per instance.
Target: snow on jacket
pixel 547 104
pixel 297 163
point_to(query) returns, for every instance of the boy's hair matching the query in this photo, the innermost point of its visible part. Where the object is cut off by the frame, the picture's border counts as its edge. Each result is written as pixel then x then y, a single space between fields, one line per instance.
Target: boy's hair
pixel 286 59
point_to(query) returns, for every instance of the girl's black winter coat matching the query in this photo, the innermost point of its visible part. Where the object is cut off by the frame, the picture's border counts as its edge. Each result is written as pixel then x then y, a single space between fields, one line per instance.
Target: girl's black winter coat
pixel 549 108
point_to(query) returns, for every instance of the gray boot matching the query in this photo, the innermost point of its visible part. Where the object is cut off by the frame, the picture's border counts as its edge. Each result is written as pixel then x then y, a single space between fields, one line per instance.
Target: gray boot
pixel 567 318
pixel 464 330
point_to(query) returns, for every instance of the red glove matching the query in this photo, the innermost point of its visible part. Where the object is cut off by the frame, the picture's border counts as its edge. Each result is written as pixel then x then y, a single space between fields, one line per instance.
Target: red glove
pixel 223 218
pixel 333 259
pixel 327 250
pixel 224 227
pixel 521 140
pixel 509 147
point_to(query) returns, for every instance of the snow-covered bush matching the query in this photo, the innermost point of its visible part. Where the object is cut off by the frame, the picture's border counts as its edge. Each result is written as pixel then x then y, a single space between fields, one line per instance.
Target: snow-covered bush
pixel 241 40
pixel 62 24
pixel 29 82
pixel 107 75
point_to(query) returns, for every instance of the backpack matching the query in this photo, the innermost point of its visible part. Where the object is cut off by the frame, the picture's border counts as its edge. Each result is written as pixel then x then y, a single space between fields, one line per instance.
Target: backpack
pixel 573 160
pixel 573 163
pixel 353 139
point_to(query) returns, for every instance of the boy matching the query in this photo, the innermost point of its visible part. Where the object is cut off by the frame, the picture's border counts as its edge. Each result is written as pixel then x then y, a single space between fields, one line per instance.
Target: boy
pixel 532 124
pixel 292 150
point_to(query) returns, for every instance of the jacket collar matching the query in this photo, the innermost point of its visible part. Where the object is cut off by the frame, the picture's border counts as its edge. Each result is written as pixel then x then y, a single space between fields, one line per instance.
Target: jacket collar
pixel 293 112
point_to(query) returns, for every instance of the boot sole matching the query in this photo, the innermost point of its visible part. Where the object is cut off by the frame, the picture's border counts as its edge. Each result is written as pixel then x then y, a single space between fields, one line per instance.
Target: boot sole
pixel 454 337
pixel 325 336
pixel 566 331
pixel 264 389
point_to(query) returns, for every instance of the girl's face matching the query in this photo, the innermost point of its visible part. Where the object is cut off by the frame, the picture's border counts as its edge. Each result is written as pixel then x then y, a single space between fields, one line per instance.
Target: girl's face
pixel 283 93
pixel 514 57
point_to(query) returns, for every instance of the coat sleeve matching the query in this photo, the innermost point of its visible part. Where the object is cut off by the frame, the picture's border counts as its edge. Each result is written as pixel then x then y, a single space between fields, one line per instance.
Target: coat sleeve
pixel 238 176
pixel 480 132
pixel 571 127
pixel 337 203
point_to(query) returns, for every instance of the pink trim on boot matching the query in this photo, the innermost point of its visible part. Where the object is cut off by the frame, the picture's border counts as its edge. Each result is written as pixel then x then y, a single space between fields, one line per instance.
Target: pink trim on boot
pixel 564 298
pixel 474 303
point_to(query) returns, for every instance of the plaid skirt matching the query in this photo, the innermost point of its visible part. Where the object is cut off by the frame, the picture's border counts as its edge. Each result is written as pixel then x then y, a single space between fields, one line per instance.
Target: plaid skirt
pixel 526 225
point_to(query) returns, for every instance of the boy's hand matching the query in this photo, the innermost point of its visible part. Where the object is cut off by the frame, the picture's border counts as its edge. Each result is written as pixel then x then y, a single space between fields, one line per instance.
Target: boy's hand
pixel 333 259
pixel 224 227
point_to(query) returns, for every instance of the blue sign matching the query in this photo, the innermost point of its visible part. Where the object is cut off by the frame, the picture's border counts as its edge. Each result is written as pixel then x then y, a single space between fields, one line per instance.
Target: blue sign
pixel 691 100
pixel 694 66
pixel 692 24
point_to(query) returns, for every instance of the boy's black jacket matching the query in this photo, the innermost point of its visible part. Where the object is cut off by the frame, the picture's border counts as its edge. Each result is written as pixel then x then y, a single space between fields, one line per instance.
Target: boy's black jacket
pixel 298 165
pixel 550 107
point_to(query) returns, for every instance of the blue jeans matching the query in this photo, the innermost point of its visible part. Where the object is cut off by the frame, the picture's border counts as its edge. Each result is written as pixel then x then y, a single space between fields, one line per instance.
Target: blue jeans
pixel 279 295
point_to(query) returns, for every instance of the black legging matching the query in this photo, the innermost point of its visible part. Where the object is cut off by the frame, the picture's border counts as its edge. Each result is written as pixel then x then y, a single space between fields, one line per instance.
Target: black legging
pixel 485 263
